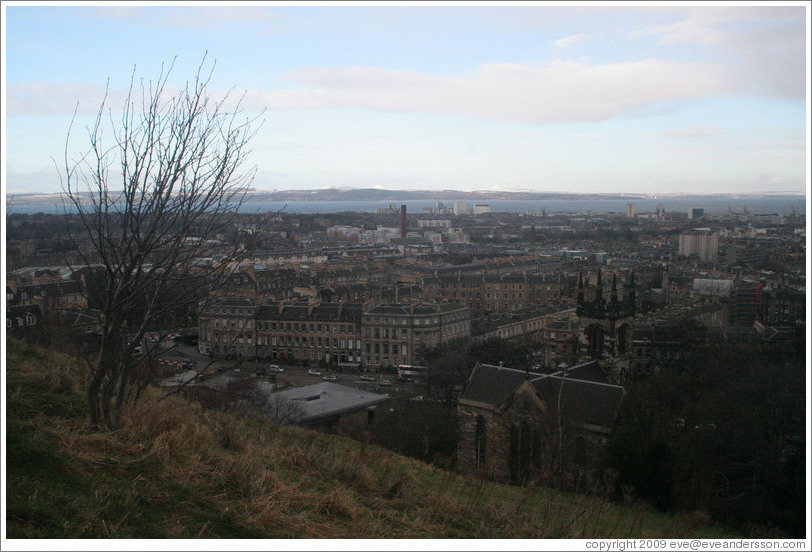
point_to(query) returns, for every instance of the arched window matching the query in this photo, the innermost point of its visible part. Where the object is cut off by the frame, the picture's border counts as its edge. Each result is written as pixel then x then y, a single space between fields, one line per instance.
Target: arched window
pixel 623 338
pixel 481 442
pixel 595 336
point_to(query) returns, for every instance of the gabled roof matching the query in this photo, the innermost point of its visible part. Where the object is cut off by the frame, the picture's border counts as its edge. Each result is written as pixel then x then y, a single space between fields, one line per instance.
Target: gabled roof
pixel 579 400
pixel 492 385
pixel 590 401
pixel 14 311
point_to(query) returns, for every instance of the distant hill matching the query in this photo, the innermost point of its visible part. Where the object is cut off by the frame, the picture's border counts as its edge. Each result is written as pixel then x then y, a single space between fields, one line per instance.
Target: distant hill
pixel 378 194
pixel 176 471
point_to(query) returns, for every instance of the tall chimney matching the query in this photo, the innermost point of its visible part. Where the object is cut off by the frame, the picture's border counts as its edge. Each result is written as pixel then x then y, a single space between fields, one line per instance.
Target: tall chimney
pixel 402 221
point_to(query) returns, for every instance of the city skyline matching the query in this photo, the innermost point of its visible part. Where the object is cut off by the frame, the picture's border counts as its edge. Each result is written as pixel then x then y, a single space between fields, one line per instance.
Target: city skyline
pixel 533 97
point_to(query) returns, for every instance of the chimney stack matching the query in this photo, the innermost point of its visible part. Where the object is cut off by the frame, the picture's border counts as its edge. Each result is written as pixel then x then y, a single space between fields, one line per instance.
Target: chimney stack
pixel 402 221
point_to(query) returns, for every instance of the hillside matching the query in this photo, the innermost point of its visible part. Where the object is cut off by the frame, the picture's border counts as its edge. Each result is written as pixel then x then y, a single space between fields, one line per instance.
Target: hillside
pixel 176 471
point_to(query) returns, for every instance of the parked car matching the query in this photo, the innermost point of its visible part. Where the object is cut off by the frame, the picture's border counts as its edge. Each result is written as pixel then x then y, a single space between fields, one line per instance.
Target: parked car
pixel 386 382
pixel 331 377
pixel 276 368
pixel 367 377
pixel 314 372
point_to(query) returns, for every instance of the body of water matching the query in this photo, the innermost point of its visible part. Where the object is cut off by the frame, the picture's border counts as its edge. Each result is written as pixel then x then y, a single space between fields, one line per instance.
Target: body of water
pixel 781 205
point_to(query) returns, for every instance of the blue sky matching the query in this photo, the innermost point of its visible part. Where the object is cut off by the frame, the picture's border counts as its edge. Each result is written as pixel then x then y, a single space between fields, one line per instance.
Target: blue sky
pixel 654 98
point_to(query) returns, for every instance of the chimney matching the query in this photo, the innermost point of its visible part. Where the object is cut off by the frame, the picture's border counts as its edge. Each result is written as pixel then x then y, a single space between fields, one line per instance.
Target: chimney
pixel 402 221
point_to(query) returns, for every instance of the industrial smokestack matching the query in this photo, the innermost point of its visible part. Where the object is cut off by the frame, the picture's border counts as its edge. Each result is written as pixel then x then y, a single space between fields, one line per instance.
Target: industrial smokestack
pixel 402 221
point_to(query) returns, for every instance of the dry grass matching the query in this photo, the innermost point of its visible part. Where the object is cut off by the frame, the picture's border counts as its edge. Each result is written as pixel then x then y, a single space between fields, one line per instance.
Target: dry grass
pixel 176 471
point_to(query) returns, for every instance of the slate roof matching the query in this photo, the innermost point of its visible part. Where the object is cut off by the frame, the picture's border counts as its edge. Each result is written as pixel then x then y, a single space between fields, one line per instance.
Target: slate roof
pixel 419 309
pixel 348 312
pixel 585 393
pixel 588 371
pixel 581 401
pixel 233 302
pixel 492 384
pixel 15 311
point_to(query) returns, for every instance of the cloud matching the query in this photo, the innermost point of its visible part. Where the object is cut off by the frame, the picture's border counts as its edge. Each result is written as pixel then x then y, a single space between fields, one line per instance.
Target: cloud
pixel 46 99
pixel 560 91
pixel 764 45
pixel 49 99
pixel 570 41
pixel 693 132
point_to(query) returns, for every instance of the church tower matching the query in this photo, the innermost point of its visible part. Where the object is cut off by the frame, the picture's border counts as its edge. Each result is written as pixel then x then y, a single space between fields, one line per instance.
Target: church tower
pixel 606 326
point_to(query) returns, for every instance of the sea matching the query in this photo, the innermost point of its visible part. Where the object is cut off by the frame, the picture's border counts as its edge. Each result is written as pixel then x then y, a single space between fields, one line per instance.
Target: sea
pixel 784 205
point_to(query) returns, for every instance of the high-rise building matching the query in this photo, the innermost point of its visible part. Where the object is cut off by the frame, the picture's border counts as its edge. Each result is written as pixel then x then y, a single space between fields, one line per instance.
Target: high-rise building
pixel 695 213
pixel 630 210
pixel 461 208
pixel 702 242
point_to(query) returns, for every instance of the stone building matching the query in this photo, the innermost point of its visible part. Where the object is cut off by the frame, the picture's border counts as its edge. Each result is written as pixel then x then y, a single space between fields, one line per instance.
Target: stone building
pixel 559 342
pixel 515 425
pixel 309 332
pixel 394 333
pixel 493 292
pixel 339 334
pixel 226 327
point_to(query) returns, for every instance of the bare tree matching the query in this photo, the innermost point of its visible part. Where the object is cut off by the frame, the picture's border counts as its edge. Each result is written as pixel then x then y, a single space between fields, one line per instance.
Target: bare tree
pixel 153 189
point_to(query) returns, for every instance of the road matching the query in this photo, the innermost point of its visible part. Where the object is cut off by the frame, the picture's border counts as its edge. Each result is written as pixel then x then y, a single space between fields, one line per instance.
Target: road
pixel 297 376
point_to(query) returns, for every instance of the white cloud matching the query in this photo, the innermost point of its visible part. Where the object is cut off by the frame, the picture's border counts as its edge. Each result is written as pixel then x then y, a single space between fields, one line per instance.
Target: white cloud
pixel 570 41
pixel 560 91
pixel 49 99
pixel 765 45
pixel 557 92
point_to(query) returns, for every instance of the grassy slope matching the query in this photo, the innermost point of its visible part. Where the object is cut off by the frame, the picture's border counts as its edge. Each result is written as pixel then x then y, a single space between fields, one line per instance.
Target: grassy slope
pixel 179 471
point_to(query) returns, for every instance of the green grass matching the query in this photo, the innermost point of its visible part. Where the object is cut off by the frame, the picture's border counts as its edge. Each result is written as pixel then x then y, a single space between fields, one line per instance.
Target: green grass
pixel 176 471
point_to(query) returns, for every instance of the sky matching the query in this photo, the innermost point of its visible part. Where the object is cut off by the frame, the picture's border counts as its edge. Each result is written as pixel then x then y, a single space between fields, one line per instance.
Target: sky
pixel 638 98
